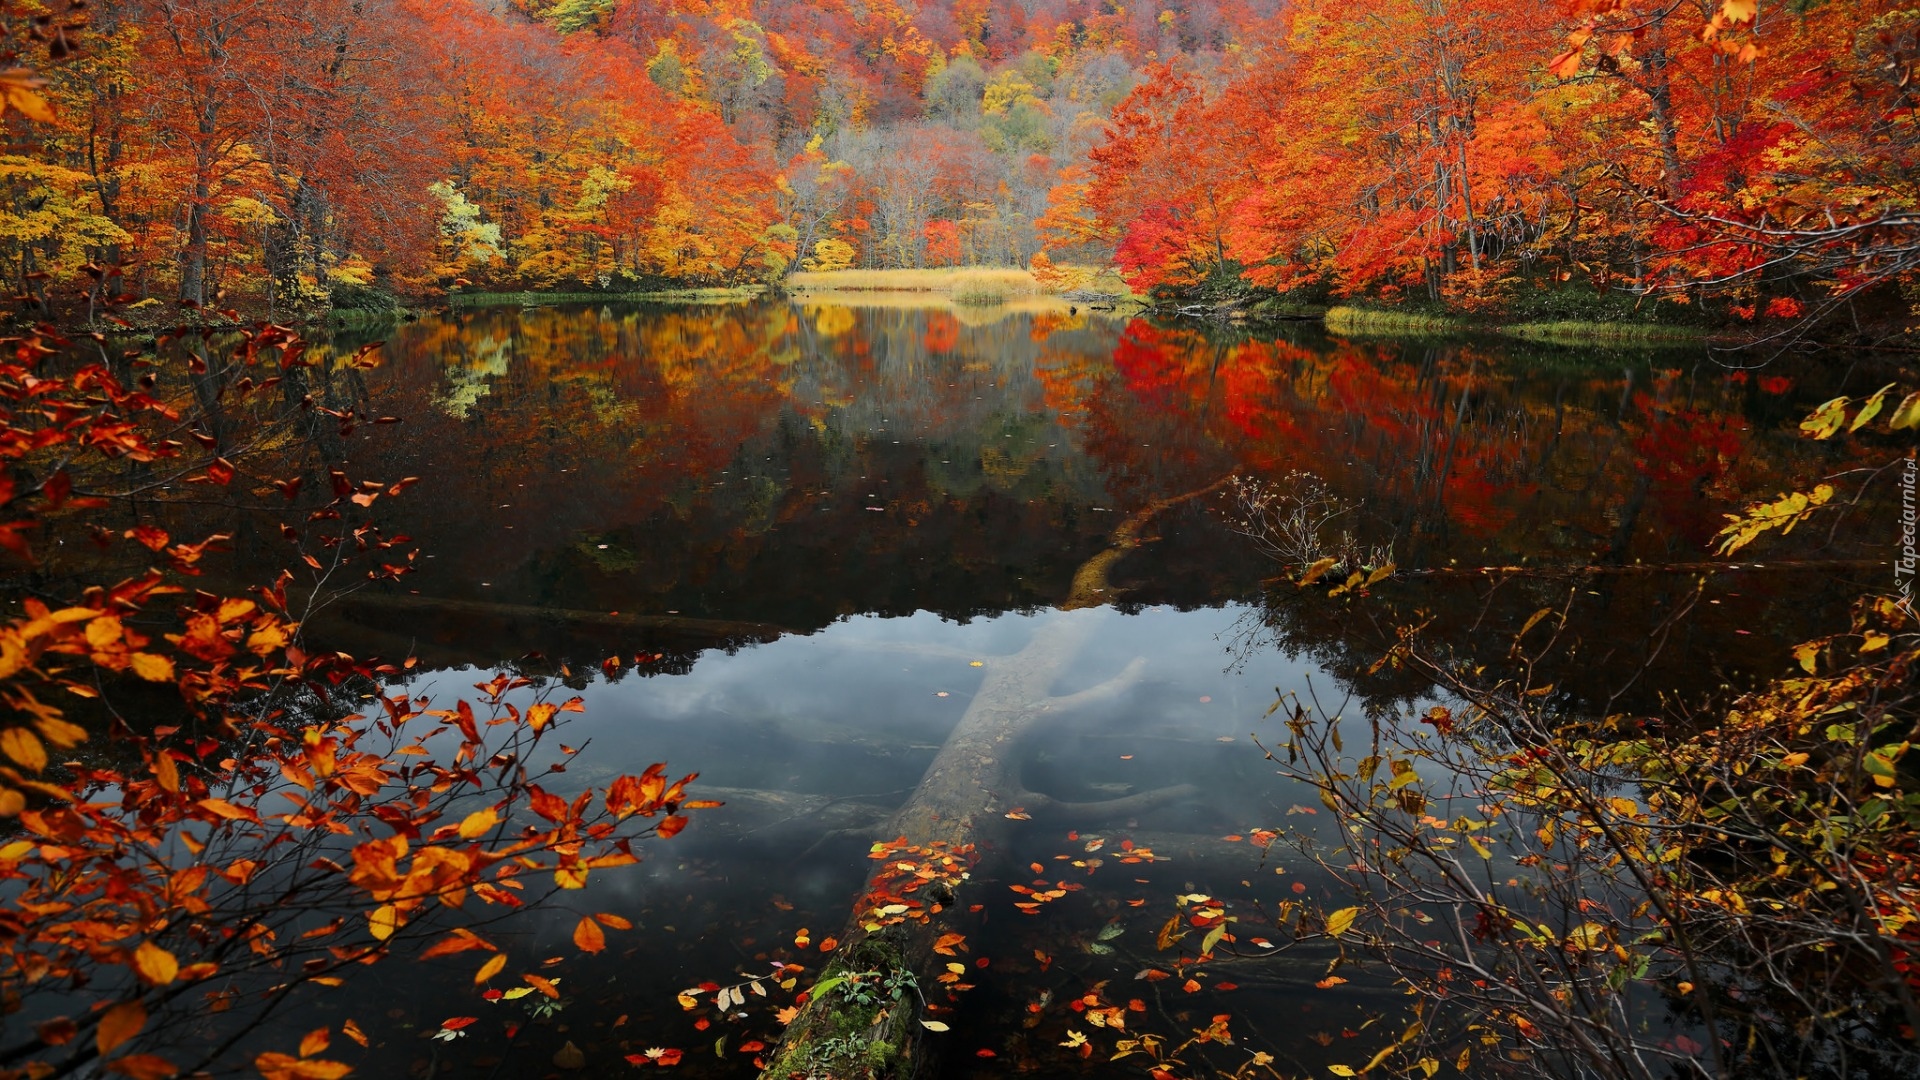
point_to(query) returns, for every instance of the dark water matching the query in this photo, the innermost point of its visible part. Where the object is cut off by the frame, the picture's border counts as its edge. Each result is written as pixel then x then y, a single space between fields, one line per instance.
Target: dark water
pixel 809 523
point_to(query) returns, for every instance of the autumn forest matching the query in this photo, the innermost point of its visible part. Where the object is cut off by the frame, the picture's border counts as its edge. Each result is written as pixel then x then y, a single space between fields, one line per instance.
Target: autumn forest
pixel 1477 157
pixel 873 539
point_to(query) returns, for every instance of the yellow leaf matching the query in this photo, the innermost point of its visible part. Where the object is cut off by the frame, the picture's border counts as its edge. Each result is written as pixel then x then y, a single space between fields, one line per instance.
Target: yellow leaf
pixel 24 747
pixel 154 964
pixel 478 824
pixel 491 968
pixel 516 993
pixel 570 877
pixel 122 1022
pixel 1340 1070
pixel 1908 414
pixel 1317 571
pixel 383 922
pixel 540 715
pixel 1341 921
pixel 935 1025
pixel 1828 418
pixel 22 96
pixel 152 668
pixel 1807 653
pixel 1739 11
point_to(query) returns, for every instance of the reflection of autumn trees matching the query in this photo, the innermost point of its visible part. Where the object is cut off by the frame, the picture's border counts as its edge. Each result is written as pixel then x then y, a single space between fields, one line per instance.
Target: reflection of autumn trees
pixel 787 463
pixel 722 461
pixel 1458 451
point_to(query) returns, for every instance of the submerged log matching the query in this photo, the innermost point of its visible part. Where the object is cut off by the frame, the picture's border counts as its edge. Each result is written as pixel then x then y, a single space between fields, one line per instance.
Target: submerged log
pixel 867 1014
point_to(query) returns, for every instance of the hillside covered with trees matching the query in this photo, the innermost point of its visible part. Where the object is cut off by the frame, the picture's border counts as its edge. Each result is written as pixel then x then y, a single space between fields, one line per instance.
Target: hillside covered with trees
pixel 1478 155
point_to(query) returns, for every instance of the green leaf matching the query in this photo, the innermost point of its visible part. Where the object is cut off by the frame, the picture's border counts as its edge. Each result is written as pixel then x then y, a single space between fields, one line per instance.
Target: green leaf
pixel 1213 938
pixel 1871 409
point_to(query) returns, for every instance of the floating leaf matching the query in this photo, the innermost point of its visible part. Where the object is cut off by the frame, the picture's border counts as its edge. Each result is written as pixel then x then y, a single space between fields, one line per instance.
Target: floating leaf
pixel 491 968
pixel 588 936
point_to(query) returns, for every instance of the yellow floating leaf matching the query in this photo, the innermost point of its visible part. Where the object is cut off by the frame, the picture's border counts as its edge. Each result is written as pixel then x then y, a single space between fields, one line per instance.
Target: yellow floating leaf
pixel 491 968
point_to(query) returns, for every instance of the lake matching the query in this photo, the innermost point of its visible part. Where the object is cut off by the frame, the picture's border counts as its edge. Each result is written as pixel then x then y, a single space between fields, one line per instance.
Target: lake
pixel 785 544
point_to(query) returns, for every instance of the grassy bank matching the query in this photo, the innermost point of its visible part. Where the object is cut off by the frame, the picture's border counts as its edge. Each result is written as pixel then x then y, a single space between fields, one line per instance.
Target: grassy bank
pixel 1570 332
pixel 1352 320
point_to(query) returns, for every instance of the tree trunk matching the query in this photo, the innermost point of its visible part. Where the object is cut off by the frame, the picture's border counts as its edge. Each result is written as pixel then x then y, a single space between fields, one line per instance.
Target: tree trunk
pixel 954 822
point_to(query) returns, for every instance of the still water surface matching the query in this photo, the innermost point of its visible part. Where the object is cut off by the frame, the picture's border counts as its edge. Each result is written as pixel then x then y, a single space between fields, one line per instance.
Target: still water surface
pixel 808 531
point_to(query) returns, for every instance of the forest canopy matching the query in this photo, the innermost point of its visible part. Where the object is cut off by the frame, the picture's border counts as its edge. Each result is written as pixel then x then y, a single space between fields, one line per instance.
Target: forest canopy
pixel 1482 156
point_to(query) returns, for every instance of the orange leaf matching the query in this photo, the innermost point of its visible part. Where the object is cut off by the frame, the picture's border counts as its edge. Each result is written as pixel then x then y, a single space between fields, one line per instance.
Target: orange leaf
pixel 588 935
pixel 1566 65
pixel 352 1031
pixel 947 942
pixel 122 1022
pixel 457 942
pixel 166 773
pixel 613 922
pixel 143 1067
pixel 829 944
pixel 543 986
pixel 225 809
pixel 315 1042
pixel 491 968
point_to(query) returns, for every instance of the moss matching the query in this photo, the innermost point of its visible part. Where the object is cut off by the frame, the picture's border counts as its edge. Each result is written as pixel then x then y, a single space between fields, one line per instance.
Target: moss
pixel 839 1036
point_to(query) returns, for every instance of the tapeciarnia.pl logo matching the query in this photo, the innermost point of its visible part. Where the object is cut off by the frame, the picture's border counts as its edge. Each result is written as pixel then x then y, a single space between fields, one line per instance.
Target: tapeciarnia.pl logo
pixel 1904 567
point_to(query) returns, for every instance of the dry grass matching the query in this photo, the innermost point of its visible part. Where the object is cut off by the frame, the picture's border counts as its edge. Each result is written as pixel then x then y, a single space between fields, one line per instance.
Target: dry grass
pixel 1349 320
pixel 999 282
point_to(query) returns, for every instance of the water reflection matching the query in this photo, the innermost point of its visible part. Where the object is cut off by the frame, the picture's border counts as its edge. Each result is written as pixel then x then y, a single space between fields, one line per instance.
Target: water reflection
pixel 794 523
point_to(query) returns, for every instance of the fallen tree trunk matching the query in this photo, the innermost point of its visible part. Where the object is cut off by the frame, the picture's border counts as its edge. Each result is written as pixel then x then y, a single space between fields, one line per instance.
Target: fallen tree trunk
pixel 864 1017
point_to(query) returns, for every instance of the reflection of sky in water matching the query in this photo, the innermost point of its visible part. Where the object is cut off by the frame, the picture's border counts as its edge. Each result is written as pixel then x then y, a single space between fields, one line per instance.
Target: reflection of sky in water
pixel 854 710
